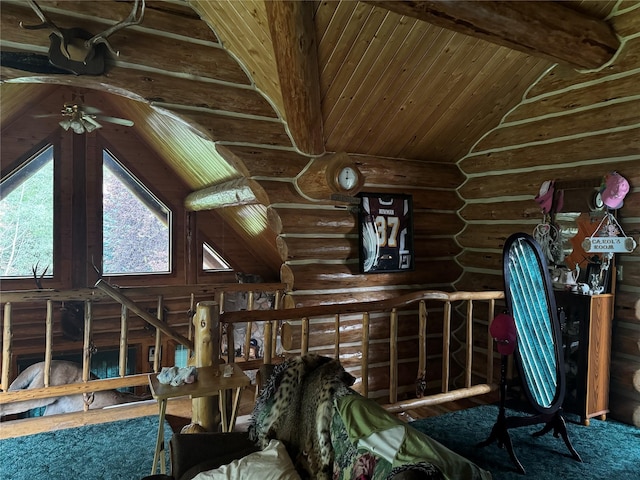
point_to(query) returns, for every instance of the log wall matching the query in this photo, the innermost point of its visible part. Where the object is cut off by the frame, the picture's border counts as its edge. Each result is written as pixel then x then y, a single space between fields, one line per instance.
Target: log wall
pixel 570 126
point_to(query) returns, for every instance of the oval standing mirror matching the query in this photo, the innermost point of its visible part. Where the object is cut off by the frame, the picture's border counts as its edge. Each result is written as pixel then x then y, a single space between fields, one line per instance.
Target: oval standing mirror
pixel 531 302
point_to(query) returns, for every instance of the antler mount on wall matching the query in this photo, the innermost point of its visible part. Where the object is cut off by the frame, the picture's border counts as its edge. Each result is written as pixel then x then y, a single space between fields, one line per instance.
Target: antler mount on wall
pixel 77 50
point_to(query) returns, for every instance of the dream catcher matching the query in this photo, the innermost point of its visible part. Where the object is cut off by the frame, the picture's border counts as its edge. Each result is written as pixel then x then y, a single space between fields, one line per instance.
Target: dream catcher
pixel 547 233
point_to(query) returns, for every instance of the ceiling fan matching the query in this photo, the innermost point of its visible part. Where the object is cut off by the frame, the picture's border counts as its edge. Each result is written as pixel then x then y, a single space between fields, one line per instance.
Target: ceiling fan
pixel 84 118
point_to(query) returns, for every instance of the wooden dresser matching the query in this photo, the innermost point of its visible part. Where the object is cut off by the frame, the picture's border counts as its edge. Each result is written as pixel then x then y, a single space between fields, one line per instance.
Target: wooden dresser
pixel 586 323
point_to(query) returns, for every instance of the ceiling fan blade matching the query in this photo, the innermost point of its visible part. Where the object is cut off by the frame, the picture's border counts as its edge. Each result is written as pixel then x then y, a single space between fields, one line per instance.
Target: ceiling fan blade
pixel 46 115
pixel 89 110
pixel 90 124
pixel 117 121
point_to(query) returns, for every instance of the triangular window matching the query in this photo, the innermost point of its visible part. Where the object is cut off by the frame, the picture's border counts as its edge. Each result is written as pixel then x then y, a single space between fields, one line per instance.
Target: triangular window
pixel 26 218
pixel 211 260
pixel 136 225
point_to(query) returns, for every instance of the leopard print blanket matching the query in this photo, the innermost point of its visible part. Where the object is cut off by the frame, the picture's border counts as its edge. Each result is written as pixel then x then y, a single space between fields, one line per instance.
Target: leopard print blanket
pixel 296 407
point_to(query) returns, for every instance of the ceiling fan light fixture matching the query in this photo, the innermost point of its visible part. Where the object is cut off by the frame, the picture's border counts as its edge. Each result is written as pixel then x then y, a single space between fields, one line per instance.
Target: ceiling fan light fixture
pixel 65 124
pixel 76 125
pixel 89 126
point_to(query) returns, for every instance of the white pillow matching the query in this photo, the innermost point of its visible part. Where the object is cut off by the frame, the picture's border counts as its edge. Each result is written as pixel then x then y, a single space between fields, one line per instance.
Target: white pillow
pixel 272 463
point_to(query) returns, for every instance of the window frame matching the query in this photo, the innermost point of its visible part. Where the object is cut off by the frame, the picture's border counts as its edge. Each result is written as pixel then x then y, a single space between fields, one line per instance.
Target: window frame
pixel 135 183
pixel 61 219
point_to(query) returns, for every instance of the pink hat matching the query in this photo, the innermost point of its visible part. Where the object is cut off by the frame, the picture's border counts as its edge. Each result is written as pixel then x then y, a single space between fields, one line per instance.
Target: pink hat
pixel 615 189
pixel 548 198
pixel 503 330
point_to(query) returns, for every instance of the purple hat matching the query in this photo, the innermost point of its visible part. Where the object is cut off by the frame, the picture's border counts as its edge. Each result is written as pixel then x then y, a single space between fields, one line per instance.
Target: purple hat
pixel 503 330
pixel 615 189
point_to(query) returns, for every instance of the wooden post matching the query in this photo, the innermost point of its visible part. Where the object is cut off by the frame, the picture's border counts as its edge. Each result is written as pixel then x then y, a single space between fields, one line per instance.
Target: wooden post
pixel 268 333
pixel 206 344
pixel 304 342
pixel 86 352
pixel 336 345
pixel 364 366
pixel 469 360
pixel 7 337
pixel 192 312
pixel 158 344
pixel 124 330
pixel 492 306
pixel 422 337
pixel 48 343
pixel 231 343
pixel 247 332
pixel 393 354
pixel 276 324
pixel 446 346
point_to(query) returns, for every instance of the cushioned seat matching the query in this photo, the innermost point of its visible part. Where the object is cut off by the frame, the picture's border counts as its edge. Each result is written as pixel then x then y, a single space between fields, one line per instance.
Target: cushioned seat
pixel 192 453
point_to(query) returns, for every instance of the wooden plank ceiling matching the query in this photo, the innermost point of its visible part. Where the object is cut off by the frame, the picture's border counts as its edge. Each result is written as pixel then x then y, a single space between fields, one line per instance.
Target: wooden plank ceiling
pixel 312 77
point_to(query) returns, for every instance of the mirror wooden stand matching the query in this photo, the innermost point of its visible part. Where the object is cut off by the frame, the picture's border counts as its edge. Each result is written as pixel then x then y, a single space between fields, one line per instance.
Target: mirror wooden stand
pixel 530 300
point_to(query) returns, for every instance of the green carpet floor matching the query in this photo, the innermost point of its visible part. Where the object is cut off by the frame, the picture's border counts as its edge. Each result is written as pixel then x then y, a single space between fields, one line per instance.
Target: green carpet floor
pixel 121 450
pixel 609 449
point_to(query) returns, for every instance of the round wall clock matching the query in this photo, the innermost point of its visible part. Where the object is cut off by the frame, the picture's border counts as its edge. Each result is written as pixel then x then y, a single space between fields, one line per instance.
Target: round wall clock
pixel 348 178
pixel 330 174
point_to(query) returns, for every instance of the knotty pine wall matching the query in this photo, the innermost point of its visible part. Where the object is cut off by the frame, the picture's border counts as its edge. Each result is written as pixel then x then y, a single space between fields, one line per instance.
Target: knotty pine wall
pixel 569 126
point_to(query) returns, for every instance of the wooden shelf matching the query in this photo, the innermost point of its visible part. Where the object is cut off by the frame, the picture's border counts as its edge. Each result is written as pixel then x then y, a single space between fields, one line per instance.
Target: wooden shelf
pixel 586 334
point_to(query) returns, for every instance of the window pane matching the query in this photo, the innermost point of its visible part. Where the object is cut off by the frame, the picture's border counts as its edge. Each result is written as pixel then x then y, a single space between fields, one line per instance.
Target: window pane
pixel 26 218
pixel 181 357
pixel 212 260
pixel 136 226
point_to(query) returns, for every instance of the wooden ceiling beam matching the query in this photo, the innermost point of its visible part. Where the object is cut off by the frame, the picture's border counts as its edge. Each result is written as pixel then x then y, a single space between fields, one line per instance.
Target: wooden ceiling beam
pixel 294 43
pixel 545 29
pixel 241 191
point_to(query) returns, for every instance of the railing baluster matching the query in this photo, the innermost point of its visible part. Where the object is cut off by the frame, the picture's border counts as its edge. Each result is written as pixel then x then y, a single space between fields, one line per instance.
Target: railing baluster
pixel 87 350
pixel 87 347
pixel 276 325
pixel 7 337
pixel 48 343
pixel 364 364
pixel 393 354
pixel 124 332
pixel 336 343
pixel 446 346
pixel 469 356
pixel 266 354
pixel 192 312
pixel 247 332
pixel 304 346
pixel 422 338
pixel 157 353
pixel 492 307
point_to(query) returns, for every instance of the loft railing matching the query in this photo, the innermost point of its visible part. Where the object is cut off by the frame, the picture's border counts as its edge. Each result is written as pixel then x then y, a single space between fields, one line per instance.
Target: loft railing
pixel 274 319
pixel 448 301
pixel 128 299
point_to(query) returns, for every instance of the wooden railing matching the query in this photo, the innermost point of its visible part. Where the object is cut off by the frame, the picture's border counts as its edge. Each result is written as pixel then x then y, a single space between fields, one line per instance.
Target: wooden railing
pixel 128 299
pixel 304 317
pixel 455 306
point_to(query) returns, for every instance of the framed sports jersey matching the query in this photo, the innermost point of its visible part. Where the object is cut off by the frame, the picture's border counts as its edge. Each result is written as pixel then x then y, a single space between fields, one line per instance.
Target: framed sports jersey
pixel 386 233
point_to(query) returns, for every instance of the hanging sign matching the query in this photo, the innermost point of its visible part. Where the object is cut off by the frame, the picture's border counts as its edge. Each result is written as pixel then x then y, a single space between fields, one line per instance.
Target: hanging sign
pixel 609 244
